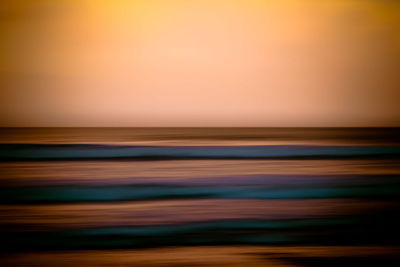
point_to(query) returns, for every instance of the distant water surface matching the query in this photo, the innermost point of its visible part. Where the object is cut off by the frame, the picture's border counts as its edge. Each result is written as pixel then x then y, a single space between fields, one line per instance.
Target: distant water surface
pixel 202 136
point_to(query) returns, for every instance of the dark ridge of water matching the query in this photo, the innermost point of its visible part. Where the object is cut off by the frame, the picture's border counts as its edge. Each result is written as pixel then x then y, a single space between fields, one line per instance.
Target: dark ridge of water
pixel 338 231
pixel 90 152
pixel 248 187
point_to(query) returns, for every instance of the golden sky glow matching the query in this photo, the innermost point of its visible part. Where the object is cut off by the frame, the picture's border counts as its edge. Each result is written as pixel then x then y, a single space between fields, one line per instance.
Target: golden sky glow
pixel 200 63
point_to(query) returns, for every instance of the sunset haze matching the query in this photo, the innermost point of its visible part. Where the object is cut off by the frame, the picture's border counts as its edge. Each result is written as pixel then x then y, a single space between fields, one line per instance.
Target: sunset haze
pixel 200 63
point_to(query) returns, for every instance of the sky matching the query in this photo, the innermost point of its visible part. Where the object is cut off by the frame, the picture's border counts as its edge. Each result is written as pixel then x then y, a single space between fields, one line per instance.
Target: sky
pixel 270 63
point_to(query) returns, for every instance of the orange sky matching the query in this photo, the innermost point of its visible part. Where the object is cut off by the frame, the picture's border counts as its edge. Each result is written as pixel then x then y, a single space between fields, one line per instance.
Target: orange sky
pixel 200 63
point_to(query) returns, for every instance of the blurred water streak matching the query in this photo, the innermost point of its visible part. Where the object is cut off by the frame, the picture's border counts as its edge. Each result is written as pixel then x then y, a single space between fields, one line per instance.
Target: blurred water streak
pixel 240 196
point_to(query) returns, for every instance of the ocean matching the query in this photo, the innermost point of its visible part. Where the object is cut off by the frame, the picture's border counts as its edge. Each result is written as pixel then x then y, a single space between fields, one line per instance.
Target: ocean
pixel 199 196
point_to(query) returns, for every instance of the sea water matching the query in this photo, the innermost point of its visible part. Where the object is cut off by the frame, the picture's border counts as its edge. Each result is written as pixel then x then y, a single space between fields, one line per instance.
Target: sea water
pixel 199 196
